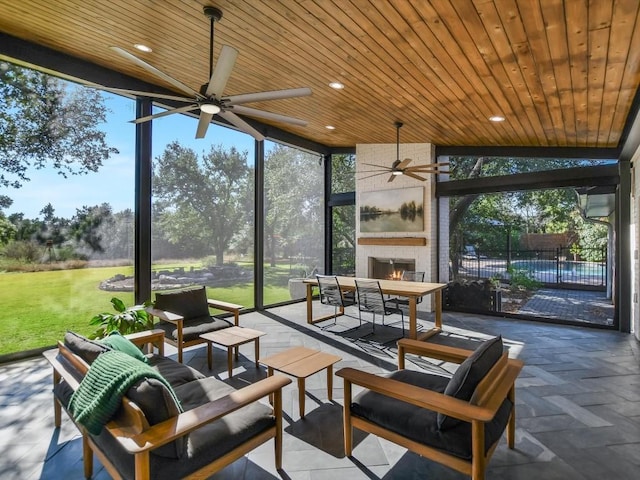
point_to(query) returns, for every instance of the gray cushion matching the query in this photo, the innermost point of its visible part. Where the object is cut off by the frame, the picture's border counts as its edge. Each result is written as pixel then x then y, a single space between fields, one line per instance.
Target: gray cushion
pixel 193 328
pixel 175 373
pixel 420 424
pixel 468 375
pixel 86 349
pixel 187 303
pixel 205 444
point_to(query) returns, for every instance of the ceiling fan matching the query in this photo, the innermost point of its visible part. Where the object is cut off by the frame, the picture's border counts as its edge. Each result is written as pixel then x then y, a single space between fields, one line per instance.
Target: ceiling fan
pixel 210 99
pixel 401 167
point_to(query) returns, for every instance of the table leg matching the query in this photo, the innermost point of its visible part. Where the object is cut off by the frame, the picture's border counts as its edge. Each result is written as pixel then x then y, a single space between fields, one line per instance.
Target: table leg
pixel 413 318
pixel 230 361
pixel 257 356
pixel 209 355
pixel 270 374
pixel 438 304
pixel 330 382
pixel 301 396
pixel 309 303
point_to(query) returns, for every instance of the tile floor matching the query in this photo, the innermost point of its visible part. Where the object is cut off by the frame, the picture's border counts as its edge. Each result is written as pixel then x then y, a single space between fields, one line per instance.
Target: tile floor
pixel 578 406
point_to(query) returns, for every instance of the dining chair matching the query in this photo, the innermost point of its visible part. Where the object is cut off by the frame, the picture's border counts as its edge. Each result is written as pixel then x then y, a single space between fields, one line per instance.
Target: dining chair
pixel 331 294
pixel 370 299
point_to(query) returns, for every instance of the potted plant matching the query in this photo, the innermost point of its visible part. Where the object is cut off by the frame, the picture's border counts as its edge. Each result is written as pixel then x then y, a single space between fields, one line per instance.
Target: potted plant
pixel 125 320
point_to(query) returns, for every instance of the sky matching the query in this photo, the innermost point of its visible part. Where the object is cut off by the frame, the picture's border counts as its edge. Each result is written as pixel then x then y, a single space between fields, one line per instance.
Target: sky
pixel 114 182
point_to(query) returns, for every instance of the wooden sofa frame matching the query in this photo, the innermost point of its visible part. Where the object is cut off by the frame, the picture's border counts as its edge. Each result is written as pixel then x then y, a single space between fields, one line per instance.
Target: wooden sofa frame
pixel 177 320
pixel 131 428
pixel 497 385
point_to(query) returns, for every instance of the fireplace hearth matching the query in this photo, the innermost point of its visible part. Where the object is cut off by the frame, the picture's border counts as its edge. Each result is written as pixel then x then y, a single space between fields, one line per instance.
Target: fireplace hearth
pixel 389 268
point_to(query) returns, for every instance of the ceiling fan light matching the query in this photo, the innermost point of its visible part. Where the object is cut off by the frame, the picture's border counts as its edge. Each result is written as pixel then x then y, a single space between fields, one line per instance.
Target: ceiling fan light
pixel 397 172
pixel 210 108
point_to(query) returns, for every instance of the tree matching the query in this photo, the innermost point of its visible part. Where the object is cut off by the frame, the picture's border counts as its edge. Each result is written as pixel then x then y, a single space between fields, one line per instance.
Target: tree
pixel 293 203
pixel 199 199
pixel 88 225
pixel 45 121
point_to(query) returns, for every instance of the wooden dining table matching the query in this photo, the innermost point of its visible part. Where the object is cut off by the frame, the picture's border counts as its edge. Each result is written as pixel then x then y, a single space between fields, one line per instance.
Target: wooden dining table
pixel 401 288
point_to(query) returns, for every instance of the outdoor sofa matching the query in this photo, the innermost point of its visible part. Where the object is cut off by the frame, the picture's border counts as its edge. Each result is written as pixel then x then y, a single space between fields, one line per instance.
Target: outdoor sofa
pixel 151 435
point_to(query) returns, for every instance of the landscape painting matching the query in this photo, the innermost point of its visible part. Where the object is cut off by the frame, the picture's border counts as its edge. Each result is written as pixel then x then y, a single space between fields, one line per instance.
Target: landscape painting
pixel 398 210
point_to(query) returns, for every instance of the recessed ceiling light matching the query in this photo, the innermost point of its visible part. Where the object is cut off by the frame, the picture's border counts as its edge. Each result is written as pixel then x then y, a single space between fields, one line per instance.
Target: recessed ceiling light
pixel 336 85
pixel 143 48
pixel 496 118
pixel 330 127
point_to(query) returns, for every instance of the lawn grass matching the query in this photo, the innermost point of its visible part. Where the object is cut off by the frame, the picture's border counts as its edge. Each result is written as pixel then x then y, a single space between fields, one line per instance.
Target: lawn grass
pixel 37 308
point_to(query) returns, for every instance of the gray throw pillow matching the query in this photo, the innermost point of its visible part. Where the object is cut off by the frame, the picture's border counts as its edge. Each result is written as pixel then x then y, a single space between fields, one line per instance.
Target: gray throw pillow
pixel 86 349
pixel 469 374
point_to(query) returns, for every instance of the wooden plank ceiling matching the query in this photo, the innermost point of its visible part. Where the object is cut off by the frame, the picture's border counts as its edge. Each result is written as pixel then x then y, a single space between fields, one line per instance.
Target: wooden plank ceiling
pixel 563 73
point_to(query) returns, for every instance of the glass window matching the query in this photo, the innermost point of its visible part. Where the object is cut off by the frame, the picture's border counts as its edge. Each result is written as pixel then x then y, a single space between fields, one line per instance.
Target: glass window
pixel 344 240
pixel 294 220
pixel 66 206
pixel 343 173
pixel 203 209
pixel 462 168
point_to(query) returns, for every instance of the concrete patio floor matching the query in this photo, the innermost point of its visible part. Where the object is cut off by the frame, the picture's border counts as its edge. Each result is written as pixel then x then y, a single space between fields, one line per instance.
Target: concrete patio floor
pixel 578 404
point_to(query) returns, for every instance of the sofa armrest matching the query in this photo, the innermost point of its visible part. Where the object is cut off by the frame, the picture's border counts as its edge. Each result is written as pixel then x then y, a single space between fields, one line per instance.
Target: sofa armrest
pixel 431 350
pixel 164 315
pixel 153 338
pixel 420 397
pixel 176 427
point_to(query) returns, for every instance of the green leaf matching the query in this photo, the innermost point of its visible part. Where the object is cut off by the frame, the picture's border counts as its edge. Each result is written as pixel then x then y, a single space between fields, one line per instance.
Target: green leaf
pixel 118 304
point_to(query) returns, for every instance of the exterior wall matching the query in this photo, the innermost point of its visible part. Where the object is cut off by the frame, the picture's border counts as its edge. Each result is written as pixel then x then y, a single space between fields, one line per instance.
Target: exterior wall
pixel 426 257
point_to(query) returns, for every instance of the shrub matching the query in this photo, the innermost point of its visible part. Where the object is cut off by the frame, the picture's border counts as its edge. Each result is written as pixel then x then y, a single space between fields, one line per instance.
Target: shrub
pixel 25 251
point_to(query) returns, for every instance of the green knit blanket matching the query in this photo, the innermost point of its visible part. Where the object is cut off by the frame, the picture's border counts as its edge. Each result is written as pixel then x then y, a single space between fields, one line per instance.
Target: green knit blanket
pixel 100 393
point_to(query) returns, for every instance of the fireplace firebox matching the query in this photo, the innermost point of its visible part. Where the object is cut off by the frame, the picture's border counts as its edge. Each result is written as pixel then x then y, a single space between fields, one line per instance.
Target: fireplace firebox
pixel 389 268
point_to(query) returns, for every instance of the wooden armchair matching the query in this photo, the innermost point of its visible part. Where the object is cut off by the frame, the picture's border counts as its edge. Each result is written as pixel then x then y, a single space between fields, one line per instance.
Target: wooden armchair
pixel 457 422
pixel 184 316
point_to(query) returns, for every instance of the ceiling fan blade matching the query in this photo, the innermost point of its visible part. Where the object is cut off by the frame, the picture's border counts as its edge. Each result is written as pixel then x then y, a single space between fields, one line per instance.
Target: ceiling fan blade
pixel 241 124
pixel 137 93
pixel 156 72
pixel 203 124
pixel 222 71
pixel 403 163
pixel 382 170
pixel 374 175
pixel 264 96
pixel 413 175
pixel 392 177
pixel 253 112
pixel 186 108
pixel 388 169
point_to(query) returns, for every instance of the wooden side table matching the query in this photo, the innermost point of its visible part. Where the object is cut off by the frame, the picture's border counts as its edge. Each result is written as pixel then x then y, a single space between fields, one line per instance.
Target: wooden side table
pixel 232 337
pixel 301 362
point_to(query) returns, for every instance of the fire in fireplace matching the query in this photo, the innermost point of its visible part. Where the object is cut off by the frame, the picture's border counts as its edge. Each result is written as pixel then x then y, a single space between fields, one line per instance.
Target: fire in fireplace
pixel 389 268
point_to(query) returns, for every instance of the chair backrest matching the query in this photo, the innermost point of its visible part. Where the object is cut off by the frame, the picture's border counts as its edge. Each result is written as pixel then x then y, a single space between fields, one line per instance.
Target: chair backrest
pixel 370 297
pixel 329 290
pixel 410 276
pixel 190 303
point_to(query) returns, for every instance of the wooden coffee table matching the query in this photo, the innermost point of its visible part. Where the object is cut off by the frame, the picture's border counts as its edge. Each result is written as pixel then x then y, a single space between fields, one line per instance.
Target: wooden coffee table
pixel 301 362
pixel 232 337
